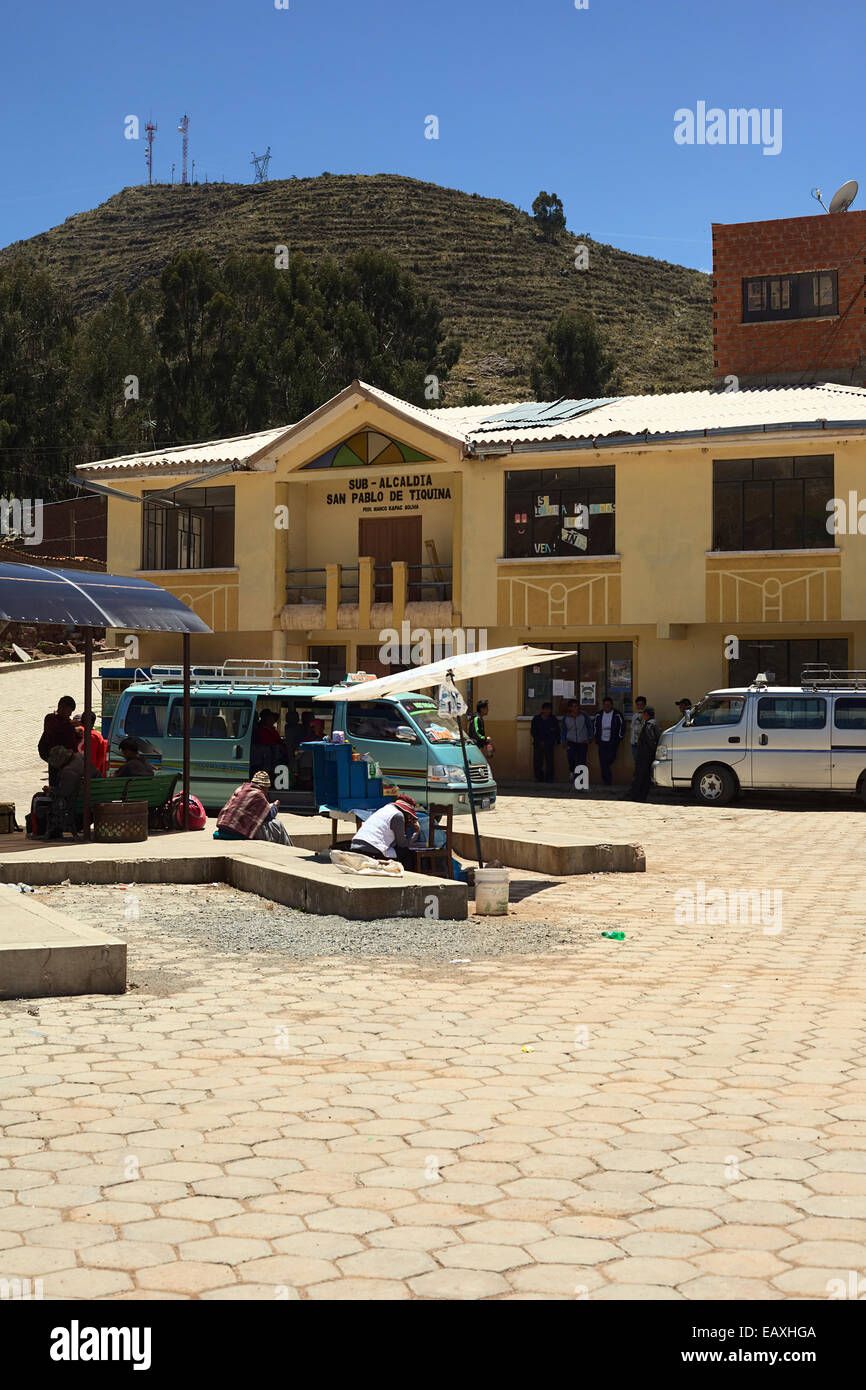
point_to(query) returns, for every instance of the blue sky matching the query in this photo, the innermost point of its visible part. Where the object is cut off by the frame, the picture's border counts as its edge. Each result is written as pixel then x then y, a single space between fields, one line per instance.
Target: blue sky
pixel 529 94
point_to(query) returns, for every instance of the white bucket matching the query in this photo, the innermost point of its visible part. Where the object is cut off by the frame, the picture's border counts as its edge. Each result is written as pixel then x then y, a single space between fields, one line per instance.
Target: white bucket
pixel 491 892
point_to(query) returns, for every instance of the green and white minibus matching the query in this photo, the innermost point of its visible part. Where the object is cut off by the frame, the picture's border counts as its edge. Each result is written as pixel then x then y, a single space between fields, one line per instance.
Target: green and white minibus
pixel 417 748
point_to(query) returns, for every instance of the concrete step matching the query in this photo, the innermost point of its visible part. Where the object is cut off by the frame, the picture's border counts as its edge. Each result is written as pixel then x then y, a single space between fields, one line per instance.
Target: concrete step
pixel 47 953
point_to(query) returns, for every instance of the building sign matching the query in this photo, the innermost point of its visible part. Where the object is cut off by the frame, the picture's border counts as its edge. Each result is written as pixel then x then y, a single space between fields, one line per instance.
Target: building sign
pixel 393 492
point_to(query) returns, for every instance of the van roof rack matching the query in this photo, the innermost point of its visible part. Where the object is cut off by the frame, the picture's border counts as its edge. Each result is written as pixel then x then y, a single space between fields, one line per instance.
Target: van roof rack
pixel 820 676
pixel 263 675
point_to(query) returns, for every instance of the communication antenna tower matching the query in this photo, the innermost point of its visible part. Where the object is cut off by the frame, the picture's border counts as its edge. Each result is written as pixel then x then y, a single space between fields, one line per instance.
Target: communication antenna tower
pixel 184 130
pixel 150 129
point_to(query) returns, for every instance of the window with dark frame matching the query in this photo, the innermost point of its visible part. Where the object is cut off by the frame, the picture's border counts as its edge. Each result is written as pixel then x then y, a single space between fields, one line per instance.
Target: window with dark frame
pixel 560 512
pixel 782 659
pixel 772 504
pixel 608 665
pixel 198 533
pixel 771 298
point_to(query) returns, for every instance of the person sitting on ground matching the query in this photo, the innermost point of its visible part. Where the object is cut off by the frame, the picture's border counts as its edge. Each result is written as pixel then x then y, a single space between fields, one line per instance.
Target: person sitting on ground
pixel 135 765
pixel 248 815
pixel 389 832
pixel 58 731
pixel 98 745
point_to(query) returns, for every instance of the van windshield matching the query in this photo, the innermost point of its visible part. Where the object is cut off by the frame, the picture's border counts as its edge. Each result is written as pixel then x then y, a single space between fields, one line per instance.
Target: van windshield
pixel 436 727
pixel 718 709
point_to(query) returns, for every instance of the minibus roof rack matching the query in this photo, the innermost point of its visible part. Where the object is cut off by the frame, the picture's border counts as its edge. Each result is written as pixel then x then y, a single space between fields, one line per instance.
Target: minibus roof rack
pixel 260 675
pixel 819 676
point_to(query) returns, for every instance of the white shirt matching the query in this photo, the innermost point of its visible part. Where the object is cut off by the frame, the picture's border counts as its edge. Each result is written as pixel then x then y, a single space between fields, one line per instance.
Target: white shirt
pixel 606 721
pixel 382 829
pixel 636 726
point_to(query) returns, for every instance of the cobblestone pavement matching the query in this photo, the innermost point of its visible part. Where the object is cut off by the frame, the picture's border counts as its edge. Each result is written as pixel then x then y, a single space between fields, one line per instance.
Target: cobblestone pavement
pixel 680 1114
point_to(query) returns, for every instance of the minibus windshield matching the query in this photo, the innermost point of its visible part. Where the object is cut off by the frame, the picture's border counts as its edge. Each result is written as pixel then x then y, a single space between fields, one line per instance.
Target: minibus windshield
pixel 436 727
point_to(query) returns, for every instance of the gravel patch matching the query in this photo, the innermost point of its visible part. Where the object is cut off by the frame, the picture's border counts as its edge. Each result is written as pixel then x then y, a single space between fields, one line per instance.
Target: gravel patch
pixel 218 918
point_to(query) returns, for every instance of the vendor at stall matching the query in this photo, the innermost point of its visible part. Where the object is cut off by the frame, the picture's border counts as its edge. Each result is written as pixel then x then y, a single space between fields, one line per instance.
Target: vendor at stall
pixel 389 832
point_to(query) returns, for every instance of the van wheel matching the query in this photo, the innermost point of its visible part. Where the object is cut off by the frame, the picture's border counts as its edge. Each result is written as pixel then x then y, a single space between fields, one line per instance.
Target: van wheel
pixel 714 785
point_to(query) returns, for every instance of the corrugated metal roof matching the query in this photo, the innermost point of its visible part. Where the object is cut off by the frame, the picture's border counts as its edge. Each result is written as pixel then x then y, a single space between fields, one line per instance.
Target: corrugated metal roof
pixel 186 457
pixel 524 424
pixel 684 413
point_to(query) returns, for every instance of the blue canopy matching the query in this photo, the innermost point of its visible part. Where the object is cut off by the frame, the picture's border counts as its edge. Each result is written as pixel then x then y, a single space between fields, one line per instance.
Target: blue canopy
pixel 83 598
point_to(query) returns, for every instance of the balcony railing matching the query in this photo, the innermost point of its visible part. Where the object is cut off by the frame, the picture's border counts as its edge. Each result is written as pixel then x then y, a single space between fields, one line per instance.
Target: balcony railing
pixel 305 586
pixel 367 583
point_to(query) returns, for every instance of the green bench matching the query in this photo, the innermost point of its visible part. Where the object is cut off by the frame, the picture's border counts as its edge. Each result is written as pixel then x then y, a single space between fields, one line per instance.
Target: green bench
pixel 157 791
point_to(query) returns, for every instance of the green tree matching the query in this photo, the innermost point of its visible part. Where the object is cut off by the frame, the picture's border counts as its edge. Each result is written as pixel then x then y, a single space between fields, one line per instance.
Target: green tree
pixel 385 329
pixel 38 418
pixel 549 216
pixel 572 361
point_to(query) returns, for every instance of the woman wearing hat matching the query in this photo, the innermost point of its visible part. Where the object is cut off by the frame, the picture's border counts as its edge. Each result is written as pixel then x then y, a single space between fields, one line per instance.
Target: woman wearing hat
pixel 248 815
pixel 389 832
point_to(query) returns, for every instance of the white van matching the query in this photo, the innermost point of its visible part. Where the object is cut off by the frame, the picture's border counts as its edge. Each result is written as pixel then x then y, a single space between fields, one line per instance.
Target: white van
pixel 809 737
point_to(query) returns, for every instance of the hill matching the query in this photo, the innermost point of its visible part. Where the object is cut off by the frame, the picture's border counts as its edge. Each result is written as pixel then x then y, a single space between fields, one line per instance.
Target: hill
pixel 498 282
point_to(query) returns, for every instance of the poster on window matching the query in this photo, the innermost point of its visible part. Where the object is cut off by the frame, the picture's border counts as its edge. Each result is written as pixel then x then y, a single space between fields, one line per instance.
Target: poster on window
pixel 587 692
pixel 620 674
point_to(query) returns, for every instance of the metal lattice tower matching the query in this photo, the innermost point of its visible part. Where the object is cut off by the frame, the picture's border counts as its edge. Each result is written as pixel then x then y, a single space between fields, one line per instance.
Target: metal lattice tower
pixel 184 130
pixel 150 129
pixel 261 162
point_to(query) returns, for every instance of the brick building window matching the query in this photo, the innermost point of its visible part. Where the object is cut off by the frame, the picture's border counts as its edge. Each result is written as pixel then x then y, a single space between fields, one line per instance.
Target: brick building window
pixel 772 504
pixel 768 298
pixel 560 511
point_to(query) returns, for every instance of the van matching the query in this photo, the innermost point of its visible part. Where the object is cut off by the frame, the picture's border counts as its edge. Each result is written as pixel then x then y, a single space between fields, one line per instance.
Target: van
pixel 809 737
pixel 416 747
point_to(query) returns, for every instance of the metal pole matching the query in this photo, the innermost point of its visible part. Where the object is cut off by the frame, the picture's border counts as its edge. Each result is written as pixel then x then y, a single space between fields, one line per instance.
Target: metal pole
pixel 88 709
pixel 186 731
pixel 468 783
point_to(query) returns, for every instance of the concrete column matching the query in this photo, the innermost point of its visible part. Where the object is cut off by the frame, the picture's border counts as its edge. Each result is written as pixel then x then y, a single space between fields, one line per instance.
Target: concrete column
pixel 332 595
pixel 365 590
pixel 399 576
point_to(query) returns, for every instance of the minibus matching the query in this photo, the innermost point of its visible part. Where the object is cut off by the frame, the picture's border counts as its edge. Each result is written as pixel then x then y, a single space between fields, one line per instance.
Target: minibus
pixel 809 737
pixel 417 748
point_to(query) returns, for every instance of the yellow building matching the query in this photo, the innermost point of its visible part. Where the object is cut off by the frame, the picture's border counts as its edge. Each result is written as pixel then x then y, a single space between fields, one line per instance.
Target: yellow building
pixel 678 542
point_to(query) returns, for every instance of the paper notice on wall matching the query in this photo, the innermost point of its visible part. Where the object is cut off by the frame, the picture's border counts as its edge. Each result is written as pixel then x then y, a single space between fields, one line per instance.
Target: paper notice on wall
pixel 530 694
pixel 587 692
pixel 565 689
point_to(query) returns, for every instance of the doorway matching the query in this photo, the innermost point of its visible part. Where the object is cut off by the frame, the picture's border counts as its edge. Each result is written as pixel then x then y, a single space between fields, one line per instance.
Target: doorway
pixel 387 539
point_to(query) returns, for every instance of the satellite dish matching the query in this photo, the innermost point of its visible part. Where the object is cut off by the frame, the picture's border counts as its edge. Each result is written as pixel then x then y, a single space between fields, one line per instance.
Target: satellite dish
pixel 844 196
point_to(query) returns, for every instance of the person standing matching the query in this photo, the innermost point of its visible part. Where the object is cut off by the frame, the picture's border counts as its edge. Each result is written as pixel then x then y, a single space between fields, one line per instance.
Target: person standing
pixel 58 731
pixel 98 745
pixel 609 731
pixel 637 724
pixel 545 734
pixel 647 744
pixel 477 730
pixel 684 706
pixel 576 734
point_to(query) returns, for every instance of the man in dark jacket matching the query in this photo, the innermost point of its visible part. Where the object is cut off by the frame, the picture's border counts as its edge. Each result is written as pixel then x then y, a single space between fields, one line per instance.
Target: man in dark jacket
pixel 545 734
pixel 134 765
pixel 58 731
pixel 609 730
pixel 645 752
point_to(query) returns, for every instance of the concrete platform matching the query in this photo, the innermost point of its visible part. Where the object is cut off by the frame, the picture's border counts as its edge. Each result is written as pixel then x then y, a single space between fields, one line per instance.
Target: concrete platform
pixel 555 854
pixel 289 876
pixel 44 952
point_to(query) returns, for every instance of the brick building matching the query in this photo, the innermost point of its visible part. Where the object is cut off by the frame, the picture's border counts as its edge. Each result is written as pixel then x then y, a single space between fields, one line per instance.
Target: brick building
pixel 789 306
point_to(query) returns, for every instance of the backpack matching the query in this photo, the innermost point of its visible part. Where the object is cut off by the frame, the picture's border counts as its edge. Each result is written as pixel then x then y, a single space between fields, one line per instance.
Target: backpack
pixel 197 815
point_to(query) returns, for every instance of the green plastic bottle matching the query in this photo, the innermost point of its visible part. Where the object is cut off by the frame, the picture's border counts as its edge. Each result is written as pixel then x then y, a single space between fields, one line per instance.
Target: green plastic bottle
pixel 614 935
